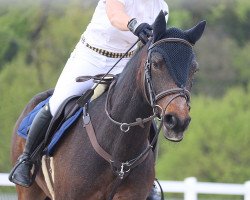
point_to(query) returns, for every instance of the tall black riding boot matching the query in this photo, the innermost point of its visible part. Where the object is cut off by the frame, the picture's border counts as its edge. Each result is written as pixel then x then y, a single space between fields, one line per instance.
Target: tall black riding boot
pixel 21 173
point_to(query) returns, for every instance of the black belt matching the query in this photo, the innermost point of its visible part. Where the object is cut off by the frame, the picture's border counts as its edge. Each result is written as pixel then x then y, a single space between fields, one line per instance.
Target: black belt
pixel 107 53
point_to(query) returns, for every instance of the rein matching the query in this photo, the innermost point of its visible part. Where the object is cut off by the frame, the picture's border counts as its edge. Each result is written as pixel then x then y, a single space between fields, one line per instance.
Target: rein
pixel 122 169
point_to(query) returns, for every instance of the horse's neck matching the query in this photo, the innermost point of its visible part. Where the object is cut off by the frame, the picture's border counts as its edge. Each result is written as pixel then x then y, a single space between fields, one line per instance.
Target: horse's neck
pixel 127 104
pixel 127 100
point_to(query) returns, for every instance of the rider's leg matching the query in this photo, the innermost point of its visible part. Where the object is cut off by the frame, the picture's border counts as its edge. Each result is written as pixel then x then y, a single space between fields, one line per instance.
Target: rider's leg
pixel 21 173
pixel 82 62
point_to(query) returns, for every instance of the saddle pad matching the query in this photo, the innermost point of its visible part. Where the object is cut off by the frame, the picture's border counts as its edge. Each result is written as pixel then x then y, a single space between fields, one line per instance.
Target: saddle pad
pixel 24 126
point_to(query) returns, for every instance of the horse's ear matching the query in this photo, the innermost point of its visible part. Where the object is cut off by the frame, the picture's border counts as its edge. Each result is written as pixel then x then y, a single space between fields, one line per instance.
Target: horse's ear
pixel 195 33
pixel 159 26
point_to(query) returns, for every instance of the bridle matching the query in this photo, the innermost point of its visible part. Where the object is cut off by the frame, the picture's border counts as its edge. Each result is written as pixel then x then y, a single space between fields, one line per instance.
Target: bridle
pixel 151 97
pixel 148 91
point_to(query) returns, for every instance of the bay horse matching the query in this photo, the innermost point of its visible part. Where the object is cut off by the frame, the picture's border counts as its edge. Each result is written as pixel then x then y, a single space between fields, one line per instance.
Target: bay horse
pixel 155 83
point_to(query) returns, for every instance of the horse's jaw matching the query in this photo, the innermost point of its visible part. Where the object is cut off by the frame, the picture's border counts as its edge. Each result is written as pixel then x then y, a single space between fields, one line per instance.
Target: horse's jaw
pixel 171 135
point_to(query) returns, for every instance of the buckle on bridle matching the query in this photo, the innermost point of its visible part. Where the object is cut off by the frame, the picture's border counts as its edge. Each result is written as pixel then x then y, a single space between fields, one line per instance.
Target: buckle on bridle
pixel 158 115
pixel 122 171
pixel 125 127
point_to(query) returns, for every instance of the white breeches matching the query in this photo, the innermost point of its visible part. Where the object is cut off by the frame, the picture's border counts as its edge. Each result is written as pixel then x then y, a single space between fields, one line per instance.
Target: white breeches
pixel 82 62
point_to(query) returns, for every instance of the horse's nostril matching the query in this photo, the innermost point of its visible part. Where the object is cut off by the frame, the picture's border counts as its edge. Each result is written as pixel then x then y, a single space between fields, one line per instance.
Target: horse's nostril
pixel 170 121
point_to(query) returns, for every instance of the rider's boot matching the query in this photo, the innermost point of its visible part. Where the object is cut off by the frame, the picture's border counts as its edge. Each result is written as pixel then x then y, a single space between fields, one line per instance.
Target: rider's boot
pixel 21 173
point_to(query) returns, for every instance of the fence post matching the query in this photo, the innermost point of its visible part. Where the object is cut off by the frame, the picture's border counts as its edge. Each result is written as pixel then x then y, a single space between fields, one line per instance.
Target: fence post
pixel 247 190
pixel 190 192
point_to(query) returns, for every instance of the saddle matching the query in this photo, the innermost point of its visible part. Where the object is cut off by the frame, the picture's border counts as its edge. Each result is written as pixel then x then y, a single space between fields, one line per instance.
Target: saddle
pixel 67 114
pixel 69 111
pixel 72 107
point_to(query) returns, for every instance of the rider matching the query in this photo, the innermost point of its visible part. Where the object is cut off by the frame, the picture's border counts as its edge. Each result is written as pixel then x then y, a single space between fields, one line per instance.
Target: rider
pixel 114 28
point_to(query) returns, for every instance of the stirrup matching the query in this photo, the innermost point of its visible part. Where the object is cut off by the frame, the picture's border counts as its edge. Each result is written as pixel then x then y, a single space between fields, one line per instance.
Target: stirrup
pixel 21 160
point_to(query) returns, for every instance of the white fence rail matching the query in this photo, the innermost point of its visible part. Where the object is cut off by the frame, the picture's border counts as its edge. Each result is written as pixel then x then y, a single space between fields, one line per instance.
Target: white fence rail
pixel 190 187
pixel 4 181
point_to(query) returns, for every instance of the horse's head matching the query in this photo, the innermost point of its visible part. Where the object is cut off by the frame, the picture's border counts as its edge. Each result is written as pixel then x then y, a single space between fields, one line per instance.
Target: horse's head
pixel 170 68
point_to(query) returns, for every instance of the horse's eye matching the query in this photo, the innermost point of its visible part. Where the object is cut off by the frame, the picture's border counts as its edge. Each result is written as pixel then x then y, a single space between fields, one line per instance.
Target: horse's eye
pixel 157 61
pixel 155 64
pixel 195 67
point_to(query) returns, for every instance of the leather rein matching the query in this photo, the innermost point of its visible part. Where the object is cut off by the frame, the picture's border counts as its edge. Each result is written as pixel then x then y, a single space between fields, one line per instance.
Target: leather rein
pixel 122 169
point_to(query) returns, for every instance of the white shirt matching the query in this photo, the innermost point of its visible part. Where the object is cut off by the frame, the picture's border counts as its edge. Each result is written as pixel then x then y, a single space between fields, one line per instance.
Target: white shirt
pixel 101 34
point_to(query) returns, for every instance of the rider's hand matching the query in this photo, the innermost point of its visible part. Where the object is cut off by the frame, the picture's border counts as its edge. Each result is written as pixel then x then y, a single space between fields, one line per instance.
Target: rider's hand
pixel 143 30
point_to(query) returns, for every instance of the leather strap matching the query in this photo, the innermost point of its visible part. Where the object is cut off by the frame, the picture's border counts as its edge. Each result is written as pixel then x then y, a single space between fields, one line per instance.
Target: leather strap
pixel 92 137
pixel 91 134
pixel 121 170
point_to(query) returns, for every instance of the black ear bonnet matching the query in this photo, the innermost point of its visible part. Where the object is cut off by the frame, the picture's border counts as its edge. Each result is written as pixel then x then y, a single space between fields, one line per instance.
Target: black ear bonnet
pixel 177 55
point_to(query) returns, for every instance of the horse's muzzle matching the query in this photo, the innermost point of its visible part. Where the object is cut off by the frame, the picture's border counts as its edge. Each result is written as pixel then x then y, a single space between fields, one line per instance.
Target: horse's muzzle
pixel 174 127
